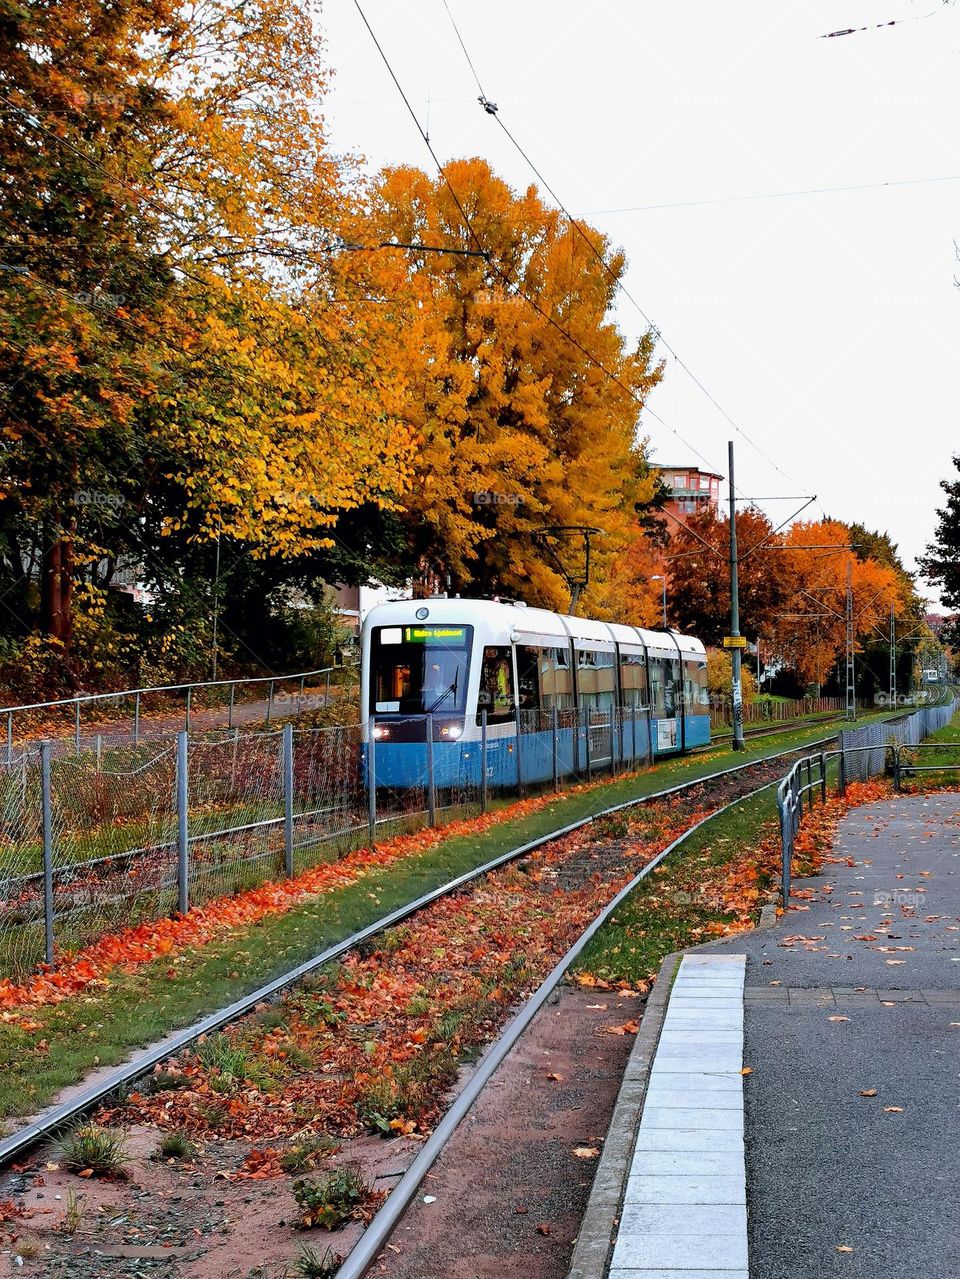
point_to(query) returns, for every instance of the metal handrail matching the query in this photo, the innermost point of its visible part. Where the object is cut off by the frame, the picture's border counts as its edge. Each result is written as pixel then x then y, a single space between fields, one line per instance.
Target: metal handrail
pixel 792 789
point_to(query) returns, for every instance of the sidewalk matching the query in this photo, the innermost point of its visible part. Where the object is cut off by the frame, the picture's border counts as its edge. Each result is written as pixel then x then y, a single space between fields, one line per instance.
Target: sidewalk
pixel 851 1125
pixel 870 1002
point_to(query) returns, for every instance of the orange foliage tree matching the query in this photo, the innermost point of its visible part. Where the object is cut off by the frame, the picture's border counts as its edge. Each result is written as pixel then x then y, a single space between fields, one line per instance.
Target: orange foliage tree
pixel 519 431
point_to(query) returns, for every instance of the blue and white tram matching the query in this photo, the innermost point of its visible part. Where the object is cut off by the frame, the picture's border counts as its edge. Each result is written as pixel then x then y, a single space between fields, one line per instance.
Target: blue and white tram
pixel 453 659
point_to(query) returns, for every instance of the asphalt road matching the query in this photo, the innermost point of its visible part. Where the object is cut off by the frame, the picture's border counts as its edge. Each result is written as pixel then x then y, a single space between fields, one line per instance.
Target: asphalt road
pixel 839 1183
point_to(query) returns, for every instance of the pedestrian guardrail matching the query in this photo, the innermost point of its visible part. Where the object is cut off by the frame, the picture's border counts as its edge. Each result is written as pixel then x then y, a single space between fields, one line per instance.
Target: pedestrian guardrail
pixel 864 752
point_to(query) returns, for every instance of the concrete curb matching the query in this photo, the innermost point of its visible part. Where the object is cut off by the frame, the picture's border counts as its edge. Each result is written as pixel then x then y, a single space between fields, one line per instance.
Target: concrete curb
pixel 598 1230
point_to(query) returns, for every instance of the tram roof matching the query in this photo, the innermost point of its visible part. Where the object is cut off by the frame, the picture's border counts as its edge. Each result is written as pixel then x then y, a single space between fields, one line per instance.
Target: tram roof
pixel 522 619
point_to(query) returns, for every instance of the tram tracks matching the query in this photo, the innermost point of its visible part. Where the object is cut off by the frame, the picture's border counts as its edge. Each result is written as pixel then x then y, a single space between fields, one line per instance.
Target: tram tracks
pixel 730 780
pixel 692 803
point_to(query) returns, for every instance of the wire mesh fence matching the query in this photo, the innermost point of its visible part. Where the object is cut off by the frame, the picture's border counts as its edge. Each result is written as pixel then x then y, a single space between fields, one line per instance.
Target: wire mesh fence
pixel 865 751
pixel 96 840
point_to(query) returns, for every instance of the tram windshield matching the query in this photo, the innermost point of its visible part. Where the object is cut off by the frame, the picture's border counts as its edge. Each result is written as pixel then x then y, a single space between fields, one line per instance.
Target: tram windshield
pixel 418 670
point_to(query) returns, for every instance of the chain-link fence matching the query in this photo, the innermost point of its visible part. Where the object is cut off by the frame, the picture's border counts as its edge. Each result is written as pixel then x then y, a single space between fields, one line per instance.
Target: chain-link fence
pixel 865 751
pixel 99 839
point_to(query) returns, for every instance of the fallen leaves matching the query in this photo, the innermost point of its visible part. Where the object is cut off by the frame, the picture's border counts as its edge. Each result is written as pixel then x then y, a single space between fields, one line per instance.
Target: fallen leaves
pixel 868 1092
pixel 585 1152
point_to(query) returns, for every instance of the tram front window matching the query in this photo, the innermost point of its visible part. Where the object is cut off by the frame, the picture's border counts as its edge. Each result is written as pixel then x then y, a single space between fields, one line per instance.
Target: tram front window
pixel 416 670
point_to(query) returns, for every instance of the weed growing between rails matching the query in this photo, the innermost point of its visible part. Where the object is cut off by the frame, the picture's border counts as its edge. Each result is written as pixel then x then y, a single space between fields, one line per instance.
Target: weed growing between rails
pixel 373 1045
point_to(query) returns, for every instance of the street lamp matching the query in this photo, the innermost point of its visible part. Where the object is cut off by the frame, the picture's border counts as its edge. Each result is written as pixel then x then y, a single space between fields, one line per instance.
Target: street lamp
pixel 658 577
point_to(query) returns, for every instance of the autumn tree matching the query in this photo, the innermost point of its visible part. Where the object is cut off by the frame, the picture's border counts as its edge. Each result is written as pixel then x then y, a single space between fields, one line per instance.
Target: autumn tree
pixel 941 564
pixel 699 575
pixel 169 339
pixel 809 635
pixel 521 433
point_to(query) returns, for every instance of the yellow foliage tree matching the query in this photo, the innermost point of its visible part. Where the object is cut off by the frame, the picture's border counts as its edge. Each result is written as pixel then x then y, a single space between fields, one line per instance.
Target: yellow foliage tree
pixel 519 432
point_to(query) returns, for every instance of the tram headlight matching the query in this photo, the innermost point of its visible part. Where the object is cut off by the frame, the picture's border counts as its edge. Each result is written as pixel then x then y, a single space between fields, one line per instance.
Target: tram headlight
pixel 381 733
pixel 451 732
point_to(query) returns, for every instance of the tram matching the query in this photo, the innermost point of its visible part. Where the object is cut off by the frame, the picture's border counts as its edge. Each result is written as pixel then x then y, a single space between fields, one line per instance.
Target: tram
pixel 583 694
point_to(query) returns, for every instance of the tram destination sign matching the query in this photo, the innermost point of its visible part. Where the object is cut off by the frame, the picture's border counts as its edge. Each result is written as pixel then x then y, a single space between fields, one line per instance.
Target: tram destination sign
pixel 434 634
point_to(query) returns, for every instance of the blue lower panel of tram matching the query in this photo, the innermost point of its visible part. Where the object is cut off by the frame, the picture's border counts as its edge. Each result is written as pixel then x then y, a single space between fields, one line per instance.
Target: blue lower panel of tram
pixel 402 765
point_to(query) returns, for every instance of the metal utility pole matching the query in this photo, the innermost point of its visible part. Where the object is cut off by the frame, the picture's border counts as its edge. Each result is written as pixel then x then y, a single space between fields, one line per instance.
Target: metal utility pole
pixel 661 578
pixel 736 641
pixel 893 658
pixel 851 673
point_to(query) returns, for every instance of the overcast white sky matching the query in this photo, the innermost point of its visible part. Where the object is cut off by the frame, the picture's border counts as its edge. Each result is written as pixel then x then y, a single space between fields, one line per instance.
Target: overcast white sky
pixel 826 325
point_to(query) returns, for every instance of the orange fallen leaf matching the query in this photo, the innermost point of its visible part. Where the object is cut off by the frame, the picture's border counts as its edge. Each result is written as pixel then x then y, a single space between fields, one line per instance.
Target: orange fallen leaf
pixel 868 1092
pixel 585 1152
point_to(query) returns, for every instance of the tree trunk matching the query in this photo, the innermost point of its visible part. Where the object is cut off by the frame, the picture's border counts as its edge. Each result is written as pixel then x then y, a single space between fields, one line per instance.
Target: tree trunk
pixel 56 590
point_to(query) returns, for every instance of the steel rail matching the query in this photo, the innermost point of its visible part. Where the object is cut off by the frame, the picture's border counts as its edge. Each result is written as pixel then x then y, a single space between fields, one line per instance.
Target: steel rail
pixel 374 1238
pixel 59 1115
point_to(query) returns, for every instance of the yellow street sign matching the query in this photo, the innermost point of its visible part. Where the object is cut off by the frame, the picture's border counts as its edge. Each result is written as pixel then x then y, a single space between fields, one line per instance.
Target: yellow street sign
pixel 734 641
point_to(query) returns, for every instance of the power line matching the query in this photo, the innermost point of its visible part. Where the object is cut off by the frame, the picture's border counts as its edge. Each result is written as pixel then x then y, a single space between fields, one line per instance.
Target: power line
pixel 775 195
pixel 491 109
pixel 503 276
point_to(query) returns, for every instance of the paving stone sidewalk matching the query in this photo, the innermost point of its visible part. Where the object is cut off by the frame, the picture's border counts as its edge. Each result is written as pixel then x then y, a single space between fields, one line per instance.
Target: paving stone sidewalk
pixel 852 1033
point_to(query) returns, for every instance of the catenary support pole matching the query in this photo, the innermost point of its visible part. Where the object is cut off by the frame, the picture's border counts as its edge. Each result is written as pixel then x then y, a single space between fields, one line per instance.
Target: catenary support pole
pixel 736 692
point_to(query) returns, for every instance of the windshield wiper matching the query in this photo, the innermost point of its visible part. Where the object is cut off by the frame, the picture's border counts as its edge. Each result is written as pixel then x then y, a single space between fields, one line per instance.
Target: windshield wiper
pixel 452 688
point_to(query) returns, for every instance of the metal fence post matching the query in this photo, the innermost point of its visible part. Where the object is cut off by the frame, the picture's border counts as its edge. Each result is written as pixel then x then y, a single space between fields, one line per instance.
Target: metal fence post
pixel 230 711
pixel 183 829
pixel 554 746
pixel 587 744
pixel 483 762
pixel 10 737
pixel 300 696
pixel 287 754
pixel 519 750
pixel 326 691
pixel 270 701
pixel 99 750
pixel 47 808
pixel 372 783
pixel 649 735
pixel 786 841
pixel 136 719
pixel 843 769
pixel 431 780
pixel 76 724
pixel 186 723
pixel 823 777
pixel 633 737
pixel 896 766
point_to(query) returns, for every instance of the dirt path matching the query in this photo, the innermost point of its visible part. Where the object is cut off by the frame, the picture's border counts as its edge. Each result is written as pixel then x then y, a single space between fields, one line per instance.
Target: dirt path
pixel 509 1192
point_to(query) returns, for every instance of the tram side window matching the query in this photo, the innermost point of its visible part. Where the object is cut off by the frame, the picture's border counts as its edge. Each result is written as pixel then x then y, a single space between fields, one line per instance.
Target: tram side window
pixel 528 678
pixel 596 679
pixel 664 673
pixel 672 690
pixel 695 692
pixel 496 685
pixel 543 678
pixel 633 679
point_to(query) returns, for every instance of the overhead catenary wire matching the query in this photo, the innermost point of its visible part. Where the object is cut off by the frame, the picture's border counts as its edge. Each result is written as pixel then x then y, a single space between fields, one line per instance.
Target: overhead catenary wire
pixel 512 286
pixel 775 195
pixel 491 109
